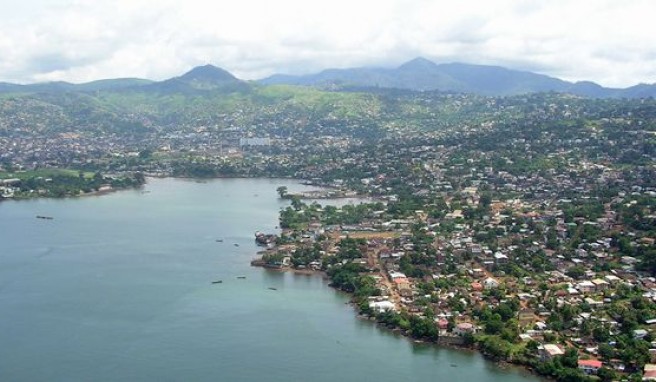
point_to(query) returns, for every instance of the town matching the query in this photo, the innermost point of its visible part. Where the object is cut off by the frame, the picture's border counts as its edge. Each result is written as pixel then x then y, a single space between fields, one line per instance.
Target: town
pixel 522 226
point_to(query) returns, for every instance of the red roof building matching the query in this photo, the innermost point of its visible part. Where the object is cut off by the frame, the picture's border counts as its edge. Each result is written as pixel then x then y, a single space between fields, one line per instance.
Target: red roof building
pixel 590 366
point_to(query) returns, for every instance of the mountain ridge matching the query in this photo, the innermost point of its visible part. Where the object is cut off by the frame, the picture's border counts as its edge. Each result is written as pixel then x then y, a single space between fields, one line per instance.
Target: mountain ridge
pixel 421 74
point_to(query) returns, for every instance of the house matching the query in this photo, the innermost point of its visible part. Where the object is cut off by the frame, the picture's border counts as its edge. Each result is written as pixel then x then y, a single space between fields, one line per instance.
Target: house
pixel 500 258
pixel 600 284
pixel 649 372
pixel 594 304
pixel 586 286
pixel 477 272
pixel 490 283
pixel 463 328
pixel 612 279
pixel 404 287
pixel 549 351
pixel 382 306
pixel 639 333
pixel 590 366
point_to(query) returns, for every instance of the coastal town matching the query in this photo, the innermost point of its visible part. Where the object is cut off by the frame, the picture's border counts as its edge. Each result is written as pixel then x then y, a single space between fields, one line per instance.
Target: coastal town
pixel 531 282
pixel 526 229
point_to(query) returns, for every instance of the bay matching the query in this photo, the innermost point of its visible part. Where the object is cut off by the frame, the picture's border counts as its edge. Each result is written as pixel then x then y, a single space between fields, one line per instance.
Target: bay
pixel 118 287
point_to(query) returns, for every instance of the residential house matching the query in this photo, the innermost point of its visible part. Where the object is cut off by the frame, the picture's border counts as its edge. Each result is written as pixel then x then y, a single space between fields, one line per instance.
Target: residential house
pixel 590 366
pixel 382 306
pixel 649 372
pixel 548 351
pixel 490 283
pixel 463 328
pixel 600 284
pixel 586 286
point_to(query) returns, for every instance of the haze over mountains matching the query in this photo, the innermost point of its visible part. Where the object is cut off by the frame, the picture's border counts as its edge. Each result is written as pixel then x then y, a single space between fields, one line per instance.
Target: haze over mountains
pixel 418 75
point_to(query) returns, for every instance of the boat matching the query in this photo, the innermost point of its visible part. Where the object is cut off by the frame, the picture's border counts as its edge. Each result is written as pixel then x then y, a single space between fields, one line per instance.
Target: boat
pixel 217 282
pixel 272 288
pixel 219 240
pixel 236 245
pixel 44 217
pixel 241 277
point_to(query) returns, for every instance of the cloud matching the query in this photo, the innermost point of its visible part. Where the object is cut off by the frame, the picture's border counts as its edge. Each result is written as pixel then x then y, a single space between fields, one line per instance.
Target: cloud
pixel 601 40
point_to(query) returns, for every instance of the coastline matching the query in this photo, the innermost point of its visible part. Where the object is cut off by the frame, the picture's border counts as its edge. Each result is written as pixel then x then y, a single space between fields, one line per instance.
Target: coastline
pixel 309 272
pixel 471 349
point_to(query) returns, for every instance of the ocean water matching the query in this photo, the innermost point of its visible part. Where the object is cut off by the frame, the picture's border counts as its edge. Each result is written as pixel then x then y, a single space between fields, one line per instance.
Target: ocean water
pixel 118 288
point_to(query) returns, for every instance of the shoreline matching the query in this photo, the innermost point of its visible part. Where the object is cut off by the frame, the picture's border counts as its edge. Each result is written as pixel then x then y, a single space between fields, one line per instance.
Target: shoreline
pixel 82 195
pixel 305 272
pixel 501 364
pixel 197 179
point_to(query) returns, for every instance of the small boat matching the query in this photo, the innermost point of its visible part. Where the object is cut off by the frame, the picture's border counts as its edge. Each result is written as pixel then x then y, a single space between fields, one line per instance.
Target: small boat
pixel 454 365
pixel 217 282
pixel 241 277
pixel 272 288
pixel 236 245
pixel 219 240
pixel 44 217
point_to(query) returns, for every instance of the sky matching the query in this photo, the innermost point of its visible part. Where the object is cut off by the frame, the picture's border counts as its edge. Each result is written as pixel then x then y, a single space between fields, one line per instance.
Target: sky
pixel 607 41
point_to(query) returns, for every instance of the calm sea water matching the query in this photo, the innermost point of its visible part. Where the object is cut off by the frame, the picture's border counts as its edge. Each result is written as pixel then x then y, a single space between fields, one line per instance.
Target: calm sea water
pixel 118 288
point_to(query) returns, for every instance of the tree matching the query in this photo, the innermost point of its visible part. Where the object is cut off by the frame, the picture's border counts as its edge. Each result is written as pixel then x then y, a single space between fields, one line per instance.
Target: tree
pixel 606 374
pixel 576 272
pixel 606 351
pixel 423 328
pixel 282 191
pixel 495 347
pixel 570 358
pixel 493 325
pixel 297 203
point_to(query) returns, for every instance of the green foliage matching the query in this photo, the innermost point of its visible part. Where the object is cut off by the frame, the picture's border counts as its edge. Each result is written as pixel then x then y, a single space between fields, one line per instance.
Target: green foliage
pixel 349 278
pixel 423 328
pixel 63 183
pixel 495 347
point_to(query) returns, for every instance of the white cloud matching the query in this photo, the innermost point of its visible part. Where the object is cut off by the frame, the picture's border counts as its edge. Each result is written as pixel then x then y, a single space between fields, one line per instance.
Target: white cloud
pixel 601 40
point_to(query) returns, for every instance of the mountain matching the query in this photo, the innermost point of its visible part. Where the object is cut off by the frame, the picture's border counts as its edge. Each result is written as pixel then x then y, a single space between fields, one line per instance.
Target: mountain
pixel 60 86
pixel 112 84
pixel 200 79
pixel 421 74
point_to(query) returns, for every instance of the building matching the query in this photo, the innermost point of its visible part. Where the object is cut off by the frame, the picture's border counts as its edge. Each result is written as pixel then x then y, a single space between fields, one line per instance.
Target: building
pixel 590 366
pixel 586 287
pixel 500 258
pixel 649 373
pixel 548 351
pixel 382 306
pixel 600 284
pixel 490 283
pixel 463 328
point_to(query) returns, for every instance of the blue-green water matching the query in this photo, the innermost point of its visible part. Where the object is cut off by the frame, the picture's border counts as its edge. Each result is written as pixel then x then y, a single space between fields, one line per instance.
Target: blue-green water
pixel 118 288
